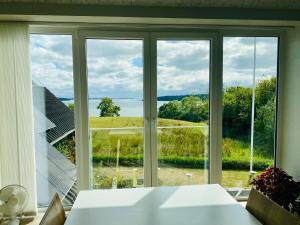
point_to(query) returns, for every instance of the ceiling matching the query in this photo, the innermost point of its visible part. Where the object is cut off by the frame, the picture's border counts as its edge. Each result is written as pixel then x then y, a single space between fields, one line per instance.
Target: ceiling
pixel 262 4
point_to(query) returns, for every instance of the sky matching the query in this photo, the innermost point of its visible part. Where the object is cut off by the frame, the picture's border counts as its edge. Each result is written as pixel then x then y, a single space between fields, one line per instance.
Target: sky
pixel 115 67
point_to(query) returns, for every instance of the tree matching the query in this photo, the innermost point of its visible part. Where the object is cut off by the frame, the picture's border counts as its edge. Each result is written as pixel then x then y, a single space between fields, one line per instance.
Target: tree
pixel 237 103
pixel 194 109
pixel 108 108
pixel 170 110
pixel 265 109
pixel 237 112
pixel 265 90
pixel 265 127
pixel 190 108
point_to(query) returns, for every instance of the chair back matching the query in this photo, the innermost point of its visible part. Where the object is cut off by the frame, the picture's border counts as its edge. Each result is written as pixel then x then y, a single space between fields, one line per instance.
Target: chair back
pixel 269 212
pixel 55 214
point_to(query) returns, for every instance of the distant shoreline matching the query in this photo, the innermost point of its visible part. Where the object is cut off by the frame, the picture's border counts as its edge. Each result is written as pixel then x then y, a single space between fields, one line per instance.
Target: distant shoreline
pixel 129 107
pixel 71 99
pixel 159 98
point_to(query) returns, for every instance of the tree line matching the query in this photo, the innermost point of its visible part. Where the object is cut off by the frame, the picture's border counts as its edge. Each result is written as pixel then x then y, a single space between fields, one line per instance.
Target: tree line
pixel 237 102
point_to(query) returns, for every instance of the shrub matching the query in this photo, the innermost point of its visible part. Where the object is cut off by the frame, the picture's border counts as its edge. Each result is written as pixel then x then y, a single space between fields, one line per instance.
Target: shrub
pixel 66 146
pixel 105 182
pixel 182 162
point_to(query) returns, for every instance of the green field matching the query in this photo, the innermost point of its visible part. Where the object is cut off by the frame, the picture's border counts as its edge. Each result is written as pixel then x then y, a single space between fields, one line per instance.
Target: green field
pixel 114 122
pixel 181 151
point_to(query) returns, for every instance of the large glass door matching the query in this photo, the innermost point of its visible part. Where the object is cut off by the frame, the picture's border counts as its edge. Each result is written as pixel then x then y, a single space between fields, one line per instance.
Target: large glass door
pixel 116 103
pixel 149 109
pixel 182 96
pixel 116 112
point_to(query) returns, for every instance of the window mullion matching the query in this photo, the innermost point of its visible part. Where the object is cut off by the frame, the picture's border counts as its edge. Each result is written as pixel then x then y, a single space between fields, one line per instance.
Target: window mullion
pixel 147 113
pixel 153 83
pixel 83 154
pixel 216 85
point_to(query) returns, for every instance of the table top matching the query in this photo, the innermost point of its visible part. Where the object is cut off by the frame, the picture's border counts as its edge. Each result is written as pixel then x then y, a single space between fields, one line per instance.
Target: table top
pixel 184 205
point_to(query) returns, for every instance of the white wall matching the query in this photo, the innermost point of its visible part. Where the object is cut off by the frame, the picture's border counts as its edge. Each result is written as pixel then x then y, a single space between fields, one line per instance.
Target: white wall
pixel 289 155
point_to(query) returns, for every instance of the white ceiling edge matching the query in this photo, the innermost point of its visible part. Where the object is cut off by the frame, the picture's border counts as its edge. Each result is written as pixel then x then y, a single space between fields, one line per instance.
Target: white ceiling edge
pixel 250 4
pixel 92 20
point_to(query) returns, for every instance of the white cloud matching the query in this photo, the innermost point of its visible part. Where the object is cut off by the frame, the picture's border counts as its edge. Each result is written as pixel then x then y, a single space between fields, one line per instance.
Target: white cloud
pixel 183 67
pixel 112 70
pixel 115 66
pixel 52 63
pixel 238 64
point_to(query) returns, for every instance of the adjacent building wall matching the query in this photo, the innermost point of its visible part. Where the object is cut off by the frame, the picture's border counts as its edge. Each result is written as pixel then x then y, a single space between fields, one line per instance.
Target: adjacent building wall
pixel 289 149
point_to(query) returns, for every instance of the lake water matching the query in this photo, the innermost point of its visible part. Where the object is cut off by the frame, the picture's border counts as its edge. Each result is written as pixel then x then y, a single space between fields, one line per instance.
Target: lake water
pixel 129 107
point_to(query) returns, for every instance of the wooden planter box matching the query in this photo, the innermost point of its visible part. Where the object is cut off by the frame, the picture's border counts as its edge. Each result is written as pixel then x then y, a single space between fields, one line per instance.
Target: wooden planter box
pixel 269 212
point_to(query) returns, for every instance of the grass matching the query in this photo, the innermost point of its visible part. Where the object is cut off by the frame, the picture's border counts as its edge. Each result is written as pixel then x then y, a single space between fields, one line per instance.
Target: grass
pixel 117 122
pixel 183 142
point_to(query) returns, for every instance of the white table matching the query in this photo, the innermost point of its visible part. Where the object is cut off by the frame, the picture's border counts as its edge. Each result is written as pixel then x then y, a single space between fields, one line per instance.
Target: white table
pixel 185 205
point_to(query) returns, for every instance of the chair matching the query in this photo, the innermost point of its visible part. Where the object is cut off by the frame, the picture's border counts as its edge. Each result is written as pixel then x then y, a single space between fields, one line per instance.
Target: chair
pixel 268 212
pixel 55 214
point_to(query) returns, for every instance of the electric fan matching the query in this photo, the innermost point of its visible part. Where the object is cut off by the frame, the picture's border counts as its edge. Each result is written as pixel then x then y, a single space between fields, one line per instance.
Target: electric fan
pixel 13 199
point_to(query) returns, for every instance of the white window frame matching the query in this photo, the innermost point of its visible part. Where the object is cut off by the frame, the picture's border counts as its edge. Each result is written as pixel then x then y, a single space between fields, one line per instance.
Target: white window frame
pixel 86 176
pixel 83 154
pixel 215 104
pixel 280 34
pixel 150 96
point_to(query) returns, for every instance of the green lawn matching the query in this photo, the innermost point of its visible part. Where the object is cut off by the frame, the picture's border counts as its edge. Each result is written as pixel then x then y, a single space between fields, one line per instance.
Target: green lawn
pixel 184 142
pixel 116 122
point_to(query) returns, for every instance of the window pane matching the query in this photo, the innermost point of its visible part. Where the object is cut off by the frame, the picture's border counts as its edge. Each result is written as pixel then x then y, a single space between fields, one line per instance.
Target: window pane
pixel 115 83
pixel 250 66
pixel 53 107
pixel 183 112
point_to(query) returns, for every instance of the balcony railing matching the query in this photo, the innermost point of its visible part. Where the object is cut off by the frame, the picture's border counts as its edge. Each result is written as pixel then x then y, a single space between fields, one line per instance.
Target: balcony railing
pixel 119 153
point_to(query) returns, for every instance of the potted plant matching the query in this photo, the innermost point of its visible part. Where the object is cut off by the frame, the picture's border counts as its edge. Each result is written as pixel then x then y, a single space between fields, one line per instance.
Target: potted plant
pixel 277 185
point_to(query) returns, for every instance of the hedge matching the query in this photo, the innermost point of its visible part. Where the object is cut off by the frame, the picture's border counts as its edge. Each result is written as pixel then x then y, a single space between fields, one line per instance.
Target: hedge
pixel 183 162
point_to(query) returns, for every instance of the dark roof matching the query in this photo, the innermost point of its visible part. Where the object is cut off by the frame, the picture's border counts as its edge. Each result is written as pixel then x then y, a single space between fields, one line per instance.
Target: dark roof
pixel 54 173
pixel 53 120
pixel 54 110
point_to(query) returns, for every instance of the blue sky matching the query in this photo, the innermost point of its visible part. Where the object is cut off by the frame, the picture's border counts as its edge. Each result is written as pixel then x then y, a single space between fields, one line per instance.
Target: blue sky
pixel 115 67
